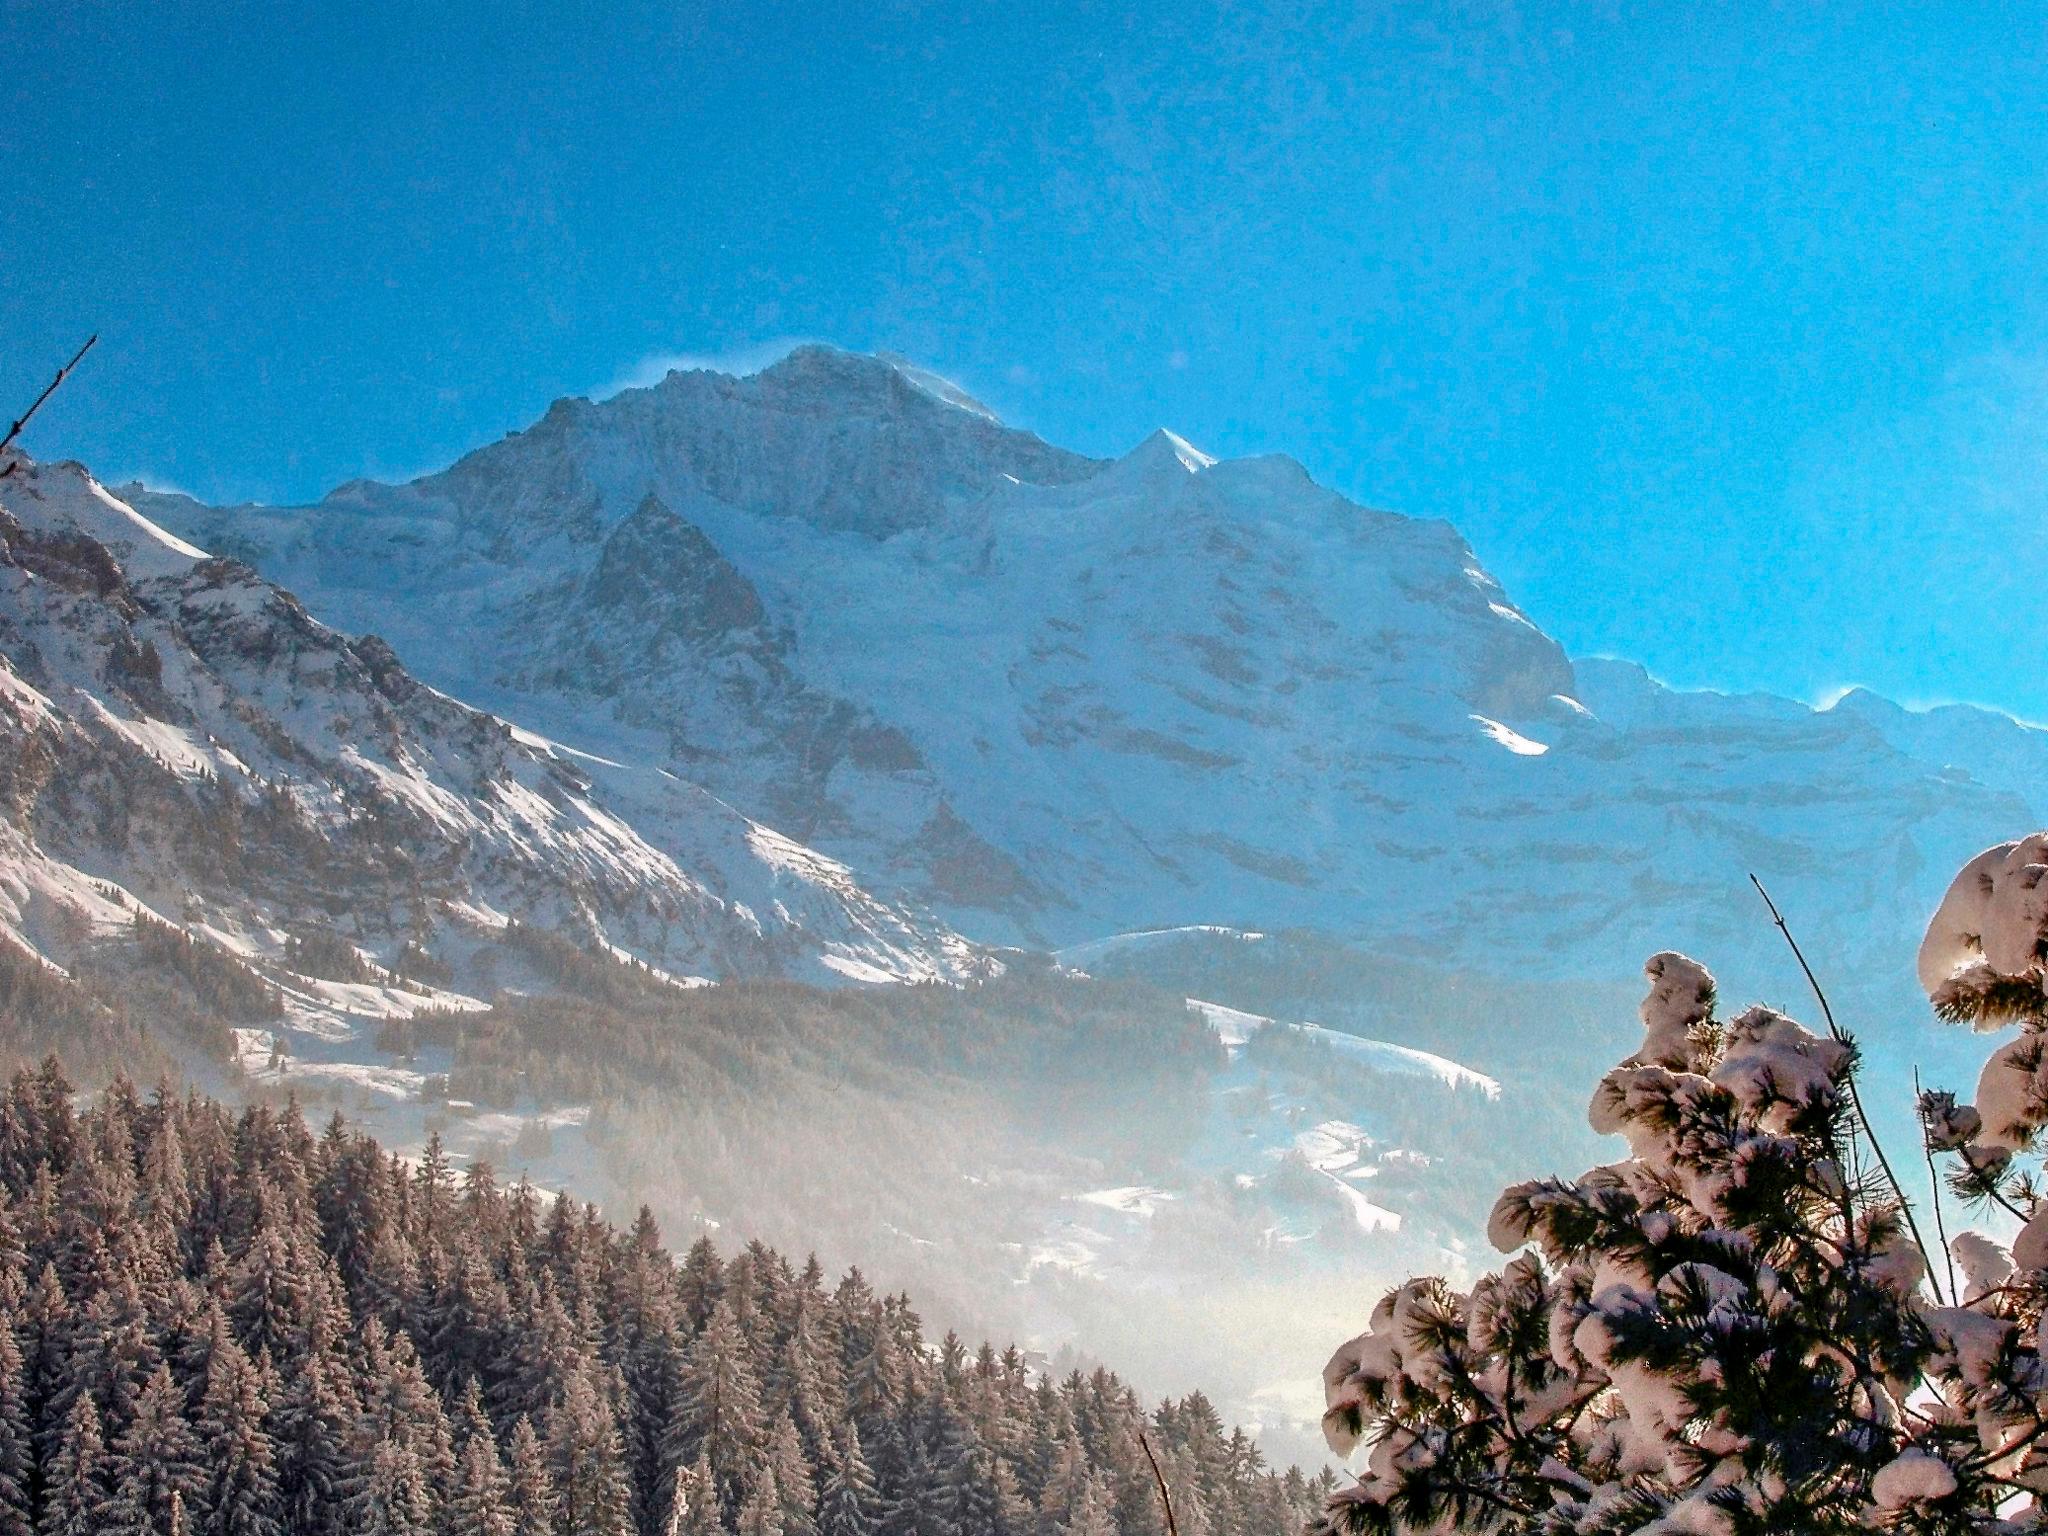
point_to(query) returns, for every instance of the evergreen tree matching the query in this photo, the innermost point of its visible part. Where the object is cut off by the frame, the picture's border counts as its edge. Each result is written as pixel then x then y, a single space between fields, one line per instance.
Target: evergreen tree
pixel 320 1474
pixel 693 1504
pixel 1093 1513
pixel 586 1463
pixel 394 1500
pixel 717 1413
pixel 796 1495
pixel 155 1460
pixel 531 1494
pixel 700 1283
pixel 480 1504
pixel 1729 1330
pixel 848 1500
pixel 17 1450
pixel 761 1510
pixel 75 1482
pixel 241 1463
pixel 234 1328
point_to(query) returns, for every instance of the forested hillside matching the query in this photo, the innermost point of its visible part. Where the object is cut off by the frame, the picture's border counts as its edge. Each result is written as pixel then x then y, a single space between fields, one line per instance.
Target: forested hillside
pixel 218 1322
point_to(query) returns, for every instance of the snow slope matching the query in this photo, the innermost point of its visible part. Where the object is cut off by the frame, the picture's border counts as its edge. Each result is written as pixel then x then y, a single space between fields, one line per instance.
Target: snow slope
pixel 1234 1027
pixel 1056 697
pixel 181 739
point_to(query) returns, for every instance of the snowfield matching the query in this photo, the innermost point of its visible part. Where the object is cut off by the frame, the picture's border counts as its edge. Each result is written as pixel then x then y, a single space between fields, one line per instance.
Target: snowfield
pixel 1052 697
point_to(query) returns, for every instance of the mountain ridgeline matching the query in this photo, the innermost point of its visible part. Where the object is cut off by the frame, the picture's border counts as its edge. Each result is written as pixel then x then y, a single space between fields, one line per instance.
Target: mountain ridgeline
pixel 1162 889
pixel 1051 697
pixel 217 1322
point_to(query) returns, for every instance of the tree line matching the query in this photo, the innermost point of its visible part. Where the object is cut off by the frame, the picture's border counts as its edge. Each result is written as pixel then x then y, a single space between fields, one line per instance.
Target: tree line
pixel 219 1322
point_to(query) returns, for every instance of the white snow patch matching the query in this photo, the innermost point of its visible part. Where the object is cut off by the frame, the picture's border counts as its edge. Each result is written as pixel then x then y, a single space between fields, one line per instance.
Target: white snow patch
pixel 1130 1199
pixel 1144 938
pixel 1513 740
pixel 1234 1027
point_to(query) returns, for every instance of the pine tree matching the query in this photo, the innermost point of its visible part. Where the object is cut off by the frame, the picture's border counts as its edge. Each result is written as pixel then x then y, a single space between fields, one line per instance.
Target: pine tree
pixel 796 1495
pixel 1728 1330
pixel 75 1483
pixel 586 1463
pixel 394 1500
pixel 1094 1511
pixel 717 1413
pixel 531 1489
pixel 320 1473
pixel 242 1497
pixel 270 1293
pixel 699 1283
pixel 920 1507
pixel 693 1504
pixel 17 1451
pixel 189 1358
pixel 800 1388
pixel 761 1511
pixel 155 1459
pixel 480 1503
pixel 848 1501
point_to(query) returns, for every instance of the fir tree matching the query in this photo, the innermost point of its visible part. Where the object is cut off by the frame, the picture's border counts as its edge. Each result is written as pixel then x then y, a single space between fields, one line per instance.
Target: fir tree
pixel 693 1504
pixel 717 1413
pixel 242 1496
pixel 394 1500
pixel 17 1450
pixel 1093 1513
pixel 761 1510
pixel 75 1482
pixel 586 1463
pixel 848 1500
pixel 233 1327
pixel 320 1475
pixel 531 1493
pixel 796 1495
pixel 480 1504
pixel 156 1459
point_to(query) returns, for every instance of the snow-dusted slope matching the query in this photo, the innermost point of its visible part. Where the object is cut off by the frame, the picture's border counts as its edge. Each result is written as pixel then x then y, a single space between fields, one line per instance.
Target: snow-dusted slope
pixel 1058 697
pixel 1234 1027
pixel 179 737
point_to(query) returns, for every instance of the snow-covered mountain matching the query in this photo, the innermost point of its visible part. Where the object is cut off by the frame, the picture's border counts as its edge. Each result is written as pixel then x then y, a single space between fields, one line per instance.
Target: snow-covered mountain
pixel 1200 727
pixel 1057 697
pixel 184 747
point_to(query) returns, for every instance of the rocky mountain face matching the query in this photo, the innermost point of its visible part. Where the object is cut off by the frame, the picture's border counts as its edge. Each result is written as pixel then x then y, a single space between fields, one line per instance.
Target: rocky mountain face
pixel 183 744
pixel 1056 697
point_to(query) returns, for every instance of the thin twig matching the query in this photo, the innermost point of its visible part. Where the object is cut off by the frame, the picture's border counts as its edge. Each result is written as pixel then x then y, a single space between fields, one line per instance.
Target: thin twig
pixel 1934 1193
pixel 1159 1478
pixel 62 374
pixel 1855 1098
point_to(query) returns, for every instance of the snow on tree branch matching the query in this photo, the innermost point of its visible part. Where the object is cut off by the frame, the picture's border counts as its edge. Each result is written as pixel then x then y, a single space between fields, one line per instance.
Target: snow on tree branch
pixel 1728 1330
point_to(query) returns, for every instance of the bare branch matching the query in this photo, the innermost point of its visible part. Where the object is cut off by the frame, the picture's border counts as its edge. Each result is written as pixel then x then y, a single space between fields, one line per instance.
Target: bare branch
pixel 1934 1193
pixel 1159 1478
pixel 1855 1098
pixel 50 389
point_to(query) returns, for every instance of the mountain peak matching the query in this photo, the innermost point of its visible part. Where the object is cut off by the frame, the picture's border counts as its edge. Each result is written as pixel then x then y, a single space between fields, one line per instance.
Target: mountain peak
pixel 843 375
pixel 62 497
pixel 1164 447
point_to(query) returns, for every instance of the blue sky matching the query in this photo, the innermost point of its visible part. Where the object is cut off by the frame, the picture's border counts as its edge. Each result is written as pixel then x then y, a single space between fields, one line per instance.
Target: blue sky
pixel 1724 338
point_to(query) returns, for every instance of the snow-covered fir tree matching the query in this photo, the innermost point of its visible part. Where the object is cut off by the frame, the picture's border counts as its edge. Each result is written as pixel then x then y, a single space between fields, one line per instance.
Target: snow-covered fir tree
pixel 220 1323
pixel 1735 1328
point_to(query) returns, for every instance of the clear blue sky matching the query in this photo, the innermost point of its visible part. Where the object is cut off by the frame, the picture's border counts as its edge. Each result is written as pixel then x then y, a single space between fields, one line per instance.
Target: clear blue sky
pixel 1723 338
